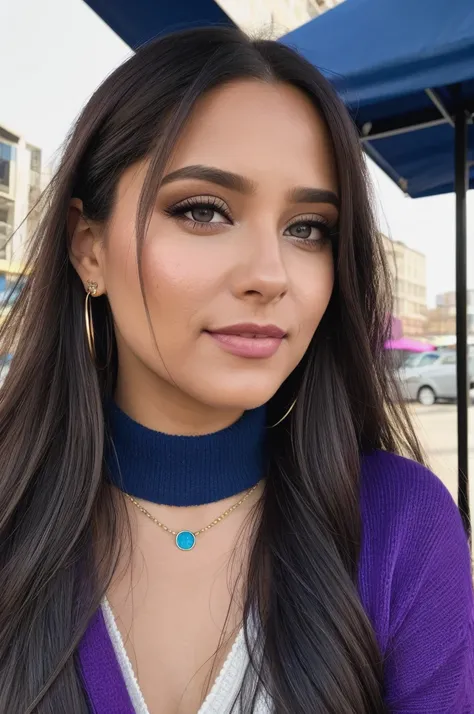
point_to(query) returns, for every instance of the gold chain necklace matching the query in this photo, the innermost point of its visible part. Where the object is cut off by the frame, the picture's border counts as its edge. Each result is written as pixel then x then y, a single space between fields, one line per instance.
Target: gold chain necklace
pixel 186 540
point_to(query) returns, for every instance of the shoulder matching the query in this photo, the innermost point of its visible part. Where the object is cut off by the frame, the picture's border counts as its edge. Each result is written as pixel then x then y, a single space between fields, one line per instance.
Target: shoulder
pixel 405 505
pixel 409 495
pixel 392 480
pixel 414 547
pixel 415 583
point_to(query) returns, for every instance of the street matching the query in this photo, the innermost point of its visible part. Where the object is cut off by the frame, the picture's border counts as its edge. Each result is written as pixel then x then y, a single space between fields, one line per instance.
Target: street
pixel 436 429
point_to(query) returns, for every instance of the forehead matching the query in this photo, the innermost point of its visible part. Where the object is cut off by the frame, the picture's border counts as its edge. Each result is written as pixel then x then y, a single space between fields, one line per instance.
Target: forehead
pixel 269 132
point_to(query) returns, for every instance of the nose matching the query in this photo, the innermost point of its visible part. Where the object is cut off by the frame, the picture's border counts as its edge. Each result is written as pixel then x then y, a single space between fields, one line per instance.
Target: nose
pixel 261 275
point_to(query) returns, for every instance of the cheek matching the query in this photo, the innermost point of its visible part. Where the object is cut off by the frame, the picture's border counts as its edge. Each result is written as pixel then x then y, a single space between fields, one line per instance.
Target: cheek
pixel 169 276
pixel 173 277
pixel 182 277
pixel 313 290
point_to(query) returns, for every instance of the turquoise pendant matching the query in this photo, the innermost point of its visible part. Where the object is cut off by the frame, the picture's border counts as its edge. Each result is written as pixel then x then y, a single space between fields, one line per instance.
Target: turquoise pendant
pixel 185 540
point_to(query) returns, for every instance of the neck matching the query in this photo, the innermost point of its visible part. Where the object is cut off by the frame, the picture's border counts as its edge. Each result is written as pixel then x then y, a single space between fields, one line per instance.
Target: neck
pixel 185 470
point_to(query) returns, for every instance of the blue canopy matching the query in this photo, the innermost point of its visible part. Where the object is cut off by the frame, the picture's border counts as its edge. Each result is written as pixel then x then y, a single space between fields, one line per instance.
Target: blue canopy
pixel 400 64
pixel 376 52
pixel 139 21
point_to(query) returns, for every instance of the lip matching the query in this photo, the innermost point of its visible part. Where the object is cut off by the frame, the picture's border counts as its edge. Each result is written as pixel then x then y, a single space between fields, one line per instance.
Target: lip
pixel 249 340
pixel 249 328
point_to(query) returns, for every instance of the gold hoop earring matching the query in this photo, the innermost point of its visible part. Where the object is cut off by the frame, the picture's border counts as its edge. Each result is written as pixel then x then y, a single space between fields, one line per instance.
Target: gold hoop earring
pixel 91 291
pixel 283 417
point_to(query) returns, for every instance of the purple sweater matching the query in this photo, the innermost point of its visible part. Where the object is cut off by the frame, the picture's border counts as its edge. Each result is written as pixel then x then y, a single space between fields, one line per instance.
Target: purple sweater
pixel 414 582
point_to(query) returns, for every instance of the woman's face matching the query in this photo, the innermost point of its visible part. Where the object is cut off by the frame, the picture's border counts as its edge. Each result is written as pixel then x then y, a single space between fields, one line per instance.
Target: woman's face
pixel 237 261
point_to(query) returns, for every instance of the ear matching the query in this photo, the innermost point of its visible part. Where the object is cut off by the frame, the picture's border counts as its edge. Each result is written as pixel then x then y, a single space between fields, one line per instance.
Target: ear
pixel 85 250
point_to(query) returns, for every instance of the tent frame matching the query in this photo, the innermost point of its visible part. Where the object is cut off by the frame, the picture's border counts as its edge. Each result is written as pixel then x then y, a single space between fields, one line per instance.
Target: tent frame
pixel 413 121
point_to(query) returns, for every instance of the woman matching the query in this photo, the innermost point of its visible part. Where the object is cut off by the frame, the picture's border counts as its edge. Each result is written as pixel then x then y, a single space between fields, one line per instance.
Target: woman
pixel 202 509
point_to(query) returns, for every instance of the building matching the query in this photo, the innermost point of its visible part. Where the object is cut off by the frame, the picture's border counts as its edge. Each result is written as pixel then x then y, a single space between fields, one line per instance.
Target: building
pixel 442 319
pixel 440 322
pixel 274 17
pixel 20 188
pixel 408 270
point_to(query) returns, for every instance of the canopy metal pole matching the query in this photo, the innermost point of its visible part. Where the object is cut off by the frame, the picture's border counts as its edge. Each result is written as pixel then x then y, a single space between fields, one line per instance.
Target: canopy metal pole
pixel 460 161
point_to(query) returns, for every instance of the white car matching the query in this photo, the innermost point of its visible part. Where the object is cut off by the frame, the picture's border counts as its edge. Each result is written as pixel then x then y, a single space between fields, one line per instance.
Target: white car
pixel 430 376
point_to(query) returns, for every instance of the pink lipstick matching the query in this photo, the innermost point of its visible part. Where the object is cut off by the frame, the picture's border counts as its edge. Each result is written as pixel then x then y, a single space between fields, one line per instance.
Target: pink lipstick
pixel 249 340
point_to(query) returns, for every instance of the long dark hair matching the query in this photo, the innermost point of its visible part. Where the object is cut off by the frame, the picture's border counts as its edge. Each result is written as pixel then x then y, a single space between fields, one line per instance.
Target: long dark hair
pixel 59 526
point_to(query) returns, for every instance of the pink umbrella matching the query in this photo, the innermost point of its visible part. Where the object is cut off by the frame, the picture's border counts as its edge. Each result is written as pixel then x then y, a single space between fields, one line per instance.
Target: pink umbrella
pixel 408 345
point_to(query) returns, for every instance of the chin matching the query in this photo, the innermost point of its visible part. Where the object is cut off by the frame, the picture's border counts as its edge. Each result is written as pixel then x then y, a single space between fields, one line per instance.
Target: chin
pixel 232 389
pixel 238 399
pixel 238 402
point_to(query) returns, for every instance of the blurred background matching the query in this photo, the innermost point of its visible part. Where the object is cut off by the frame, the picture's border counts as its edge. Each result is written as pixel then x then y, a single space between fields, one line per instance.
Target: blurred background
pixel 54 53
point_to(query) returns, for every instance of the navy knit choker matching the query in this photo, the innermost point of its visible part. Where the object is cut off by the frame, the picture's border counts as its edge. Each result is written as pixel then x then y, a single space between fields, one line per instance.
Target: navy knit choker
pixel 185 470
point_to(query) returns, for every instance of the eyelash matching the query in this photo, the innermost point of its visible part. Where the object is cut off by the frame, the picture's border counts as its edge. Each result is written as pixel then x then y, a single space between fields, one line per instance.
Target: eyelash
pixel 216 204
pixel 179 210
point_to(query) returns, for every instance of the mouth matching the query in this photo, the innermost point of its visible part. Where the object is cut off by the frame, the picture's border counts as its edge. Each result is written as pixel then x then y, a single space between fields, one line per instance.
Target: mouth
pixel 249 340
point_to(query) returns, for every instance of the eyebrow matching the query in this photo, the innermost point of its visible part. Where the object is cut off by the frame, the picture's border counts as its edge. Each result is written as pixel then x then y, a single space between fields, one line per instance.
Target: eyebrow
pixel 302 194
pixel 226 179
pixel 236 182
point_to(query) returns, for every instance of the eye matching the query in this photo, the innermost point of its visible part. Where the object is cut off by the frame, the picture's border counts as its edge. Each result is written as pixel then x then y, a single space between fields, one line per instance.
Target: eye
pixel 305 231
pixel 201 211
pixel 309 229
pixel 204 214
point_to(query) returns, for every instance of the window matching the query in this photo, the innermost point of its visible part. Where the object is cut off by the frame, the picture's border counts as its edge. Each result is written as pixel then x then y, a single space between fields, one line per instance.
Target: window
pixel 6 224
pixel 413 360
pixel 429 359
pixel 35 159
pixel 449 359
pixel 7 156
pixel 11 286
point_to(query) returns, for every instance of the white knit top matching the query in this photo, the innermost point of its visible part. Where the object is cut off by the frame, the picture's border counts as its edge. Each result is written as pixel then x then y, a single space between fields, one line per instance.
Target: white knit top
pixel 223 692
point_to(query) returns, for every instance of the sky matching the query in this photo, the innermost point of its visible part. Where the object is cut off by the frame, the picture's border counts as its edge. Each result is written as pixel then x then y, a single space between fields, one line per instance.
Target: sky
pixel 53 55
